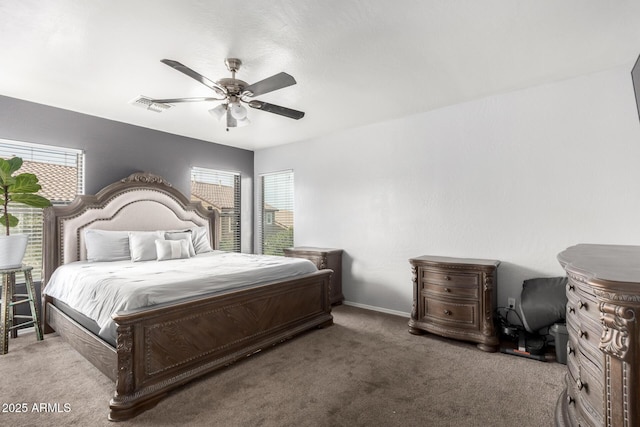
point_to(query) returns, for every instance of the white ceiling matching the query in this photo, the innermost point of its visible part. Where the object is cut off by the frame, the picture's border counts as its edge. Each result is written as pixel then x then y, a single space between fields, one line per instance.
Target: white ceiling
pixel 356 62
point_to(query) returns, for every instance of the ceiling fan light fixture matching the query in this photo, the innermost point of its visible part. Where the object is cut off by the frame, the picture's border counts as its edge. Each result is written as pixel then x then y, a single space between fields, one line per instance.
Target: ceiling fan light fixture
pixel 237 110
pixel 232 122
pixel 219 112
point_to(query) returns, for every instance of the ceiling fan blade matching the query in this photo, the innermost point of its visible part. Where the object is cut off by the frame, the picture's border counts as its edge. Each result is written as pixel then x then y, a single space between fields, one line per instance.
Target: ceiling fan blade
pixel 174 100
pixel 196 76
pixel 275 82
pixel 276 109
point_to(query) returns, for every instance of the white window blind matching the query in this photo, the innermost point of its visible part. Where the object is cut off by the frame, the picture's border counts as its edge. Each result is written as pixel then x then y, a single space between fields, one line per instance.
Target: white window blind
pixel 220 190
pixel 61 174
pixel 276 219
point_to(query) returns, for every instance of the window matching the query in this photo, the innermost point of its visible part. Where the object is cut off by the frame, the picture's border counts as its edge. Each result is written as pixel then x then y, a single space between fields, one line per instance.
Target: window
pixel 276 219
pixel 220 190
pixel 268 218
pixel 61 174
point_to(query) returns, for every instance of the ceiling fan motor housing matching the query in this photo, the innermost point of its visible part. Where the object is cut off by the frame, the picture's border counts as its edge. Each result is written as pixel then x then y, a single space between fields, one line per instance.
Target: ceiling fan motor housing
pixel 233 86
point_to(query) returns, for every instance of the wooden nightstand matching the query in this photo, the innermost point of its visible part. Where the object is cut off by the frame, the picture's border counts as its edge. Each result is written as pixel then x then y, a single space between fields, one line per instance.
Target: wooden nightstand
pixel 455 298
pixel 323 258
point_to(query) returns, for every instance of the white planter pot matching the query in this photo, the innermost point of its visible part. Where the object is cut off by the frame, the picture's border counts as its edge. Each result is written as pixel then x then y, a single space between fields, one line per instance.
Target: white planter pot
pixel 12 249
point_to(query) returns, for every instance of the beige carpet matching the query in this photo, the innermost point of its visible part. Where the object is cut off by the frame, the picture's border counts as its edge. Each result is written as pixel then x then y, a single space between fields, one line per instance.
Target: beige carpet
pixel 365 370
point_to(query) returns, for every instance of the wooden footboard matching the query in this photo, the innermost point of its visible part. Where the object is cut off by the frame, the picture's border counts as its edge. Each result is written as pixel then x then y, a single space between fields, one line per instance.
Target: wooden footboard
pixel 161 348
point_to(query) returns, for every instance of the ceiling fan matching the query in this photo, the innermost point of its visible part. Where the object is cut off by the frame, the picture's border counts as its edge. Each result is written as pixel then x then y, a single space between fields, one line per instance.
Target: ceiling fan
pixel 235 92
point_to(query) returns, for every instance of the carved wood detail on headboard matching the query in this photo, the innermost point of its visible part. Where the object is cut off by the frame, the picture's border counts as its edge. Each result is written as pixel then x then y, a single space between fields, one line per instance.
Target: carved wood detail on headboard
pixel 147 178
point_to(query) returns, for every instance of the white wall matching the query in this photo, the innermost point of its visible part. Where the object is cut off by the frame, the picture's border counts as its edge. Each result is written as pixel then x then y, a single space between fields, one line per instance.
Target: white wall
pixel 516 177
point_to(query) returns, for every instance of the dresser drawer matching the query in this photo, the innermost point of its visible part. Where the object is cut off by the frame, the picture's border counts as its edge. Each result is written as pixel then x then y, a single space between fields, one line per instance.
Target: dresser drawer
pixel 458 313
pixel 589 393
pixel 572 349
pixel 577 356
pixel 573 364
pixel 585 338
pixel 582 304
pixel 583 411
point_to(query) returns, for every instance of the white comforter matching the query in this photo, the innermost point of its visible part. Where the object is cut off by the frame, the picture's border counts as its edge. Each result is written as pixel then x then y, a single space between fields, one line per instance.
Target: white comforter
pixel 100 289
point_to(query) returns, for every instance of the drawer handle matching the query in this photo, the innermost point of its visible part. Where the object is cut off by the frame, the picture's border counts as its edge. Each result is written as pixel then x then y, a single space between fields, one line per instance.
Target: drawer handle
pixel 572 288
pixel 570 400
pixel 582 305
pixel 447 290
pixel 572 310
pixel 583 334
pixel 570 349
pixel 447 312
pixel 580 384
pixel 447 278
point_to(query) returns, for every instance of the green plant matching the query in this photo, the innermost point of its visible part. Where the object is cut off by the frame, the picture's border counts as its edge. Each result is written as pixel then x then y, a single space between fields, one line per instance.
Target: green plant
pixel 18 189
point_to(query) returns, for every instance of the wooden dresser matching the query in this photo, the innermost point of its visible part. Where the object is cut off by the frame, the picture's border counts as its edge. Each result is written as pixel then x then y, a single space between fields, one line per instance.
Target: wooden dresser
pixel 455 298
pixel 603 357
pixel 323 258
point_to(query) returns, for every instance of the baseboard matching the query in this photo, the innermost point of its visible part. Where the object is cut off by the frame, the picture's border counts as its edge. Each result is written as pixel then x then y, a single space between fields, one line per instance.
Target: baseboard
pixel 380 309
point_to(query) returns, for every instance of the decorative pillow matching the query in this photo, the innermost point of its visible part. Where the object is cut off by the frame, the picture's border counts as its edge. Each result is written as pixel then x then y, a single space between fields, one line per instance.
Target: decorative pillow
pixel 181 235
pixel 142 244
pixel 172 249
pixel 200 237
pixel 105 245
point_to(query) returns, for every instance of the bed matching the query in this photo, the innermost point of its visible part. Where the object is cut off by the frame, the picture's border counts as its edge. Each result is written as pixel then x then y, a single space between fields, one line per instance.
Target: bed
pixel 158 348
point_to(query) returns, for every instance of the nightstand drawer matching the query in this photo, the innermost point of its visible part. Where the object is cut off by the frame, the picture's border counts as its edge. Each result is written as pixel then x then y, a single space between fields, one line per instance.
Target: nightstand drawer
pixel 460 314
pixel 450 291
pixel 444 278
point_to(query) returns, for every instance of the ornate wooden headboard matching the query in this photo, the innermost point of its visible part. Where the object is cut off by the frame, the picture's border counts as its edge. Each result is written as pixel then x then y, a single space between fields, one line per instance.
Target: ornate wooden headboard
pixel 140 202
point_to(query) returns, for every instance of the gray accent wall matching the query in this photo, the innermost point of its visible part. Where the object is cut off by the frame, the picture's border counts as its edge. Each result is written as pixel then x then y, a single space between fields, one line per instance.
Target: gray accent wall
pixel 114 150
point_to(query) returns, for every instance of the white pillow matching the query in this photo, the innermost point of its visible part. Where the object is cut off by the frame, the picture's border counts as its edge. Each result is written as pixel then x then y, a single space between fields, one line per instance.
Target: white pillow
pixel 181 235
pixel 142 244
pixel 172 249
pixel 105 245
pixel 200 237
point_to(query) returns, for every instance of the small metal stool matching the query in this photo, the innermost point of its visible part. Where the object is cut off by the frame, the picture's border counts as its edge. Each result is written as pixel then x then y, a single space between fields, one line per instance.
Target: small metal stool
pixel 10 300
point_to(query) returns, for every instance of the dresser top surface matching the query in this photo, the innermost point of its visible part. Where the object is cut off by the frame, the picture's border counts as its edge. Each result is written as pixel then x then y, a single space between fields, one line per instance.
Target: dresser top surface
pixel 431 259
pixel 615 263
